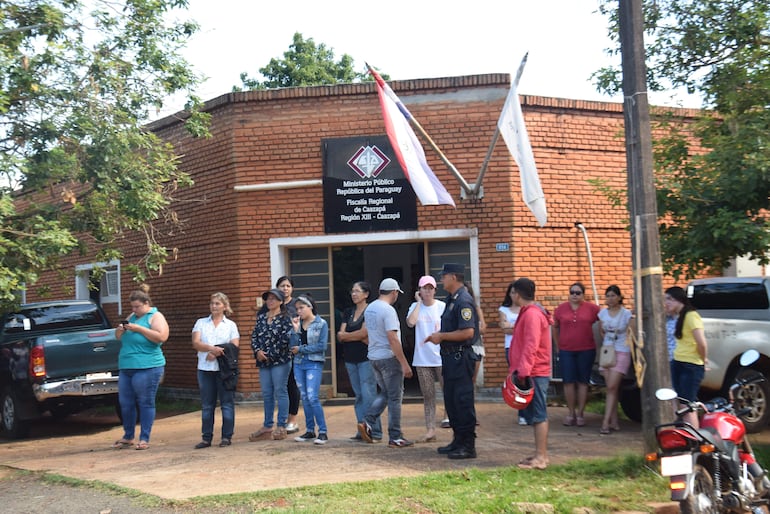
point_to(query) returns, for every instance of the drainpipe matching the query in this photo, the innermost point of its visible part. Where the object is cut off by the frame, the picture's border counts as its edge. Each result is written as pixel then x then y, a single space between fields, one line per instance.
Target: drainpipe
pixel 590 259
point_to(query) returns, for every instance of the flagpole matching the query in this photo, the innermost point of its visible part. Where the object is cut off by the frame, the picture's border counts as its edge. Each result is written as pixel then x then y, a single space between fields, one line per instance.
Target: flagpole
pixel 443 157
pixel 416 124
pixel 496 135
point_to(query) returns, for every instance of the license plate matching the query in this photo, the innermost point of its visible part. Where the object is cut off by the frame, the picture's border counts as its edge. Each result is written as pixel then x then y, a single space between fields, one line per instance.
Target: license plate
pixel 98 376
pixel 676 465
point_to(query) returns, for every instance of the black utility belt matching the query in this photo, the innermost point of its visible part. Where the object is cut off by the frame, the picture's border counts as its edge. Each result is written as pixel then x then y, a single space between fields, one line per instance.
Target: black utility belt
pixel 449 350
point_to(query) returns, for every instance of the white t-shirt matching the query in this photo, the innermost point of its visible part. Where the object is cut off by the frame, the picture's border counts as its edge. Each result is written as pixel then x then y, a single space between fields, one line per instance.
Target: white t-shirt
pixel 428 321
pixel 615 328
pixel 223 333
pixel 511 318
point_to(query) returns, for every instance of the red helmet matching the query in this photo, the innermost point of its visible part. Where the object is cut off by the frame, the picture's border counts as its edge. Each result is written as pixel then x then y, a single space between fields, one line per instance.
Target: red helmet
pixel 515 396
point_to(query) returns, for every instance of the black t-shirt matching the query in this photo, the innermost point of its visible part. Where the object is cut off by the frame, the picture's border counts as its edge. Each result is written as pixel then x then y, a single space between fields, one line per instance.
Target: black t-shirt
pixel 353 351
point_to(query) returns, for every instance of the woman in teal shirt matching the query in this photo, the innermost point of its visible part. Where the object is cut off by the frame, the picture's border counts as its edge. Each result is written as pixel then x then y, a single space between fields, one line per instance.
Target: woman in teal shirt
pixel 141 364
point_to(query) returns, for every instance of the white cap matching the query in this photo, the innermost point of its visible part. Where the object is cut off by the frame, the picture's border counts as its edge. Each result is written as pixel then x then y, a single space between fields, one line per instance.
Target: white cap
pixel 390 284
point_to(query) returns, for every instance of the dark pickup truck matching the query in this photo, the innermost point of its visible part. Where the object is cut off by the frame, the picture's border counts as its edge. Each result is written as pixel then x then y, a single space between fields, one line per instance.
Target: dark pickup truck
pixel 60 357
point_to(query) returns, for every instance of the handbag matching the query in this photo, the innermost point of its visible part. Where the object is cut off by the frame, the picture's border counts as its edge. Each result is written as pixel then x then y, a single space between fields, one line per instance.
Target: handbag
pixel 607 357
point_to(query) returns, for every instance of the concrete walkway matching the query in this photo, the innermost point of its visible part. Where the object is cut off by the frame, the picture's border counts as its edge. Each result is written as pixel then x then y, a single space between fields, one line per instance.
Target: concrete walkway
pixel 80 448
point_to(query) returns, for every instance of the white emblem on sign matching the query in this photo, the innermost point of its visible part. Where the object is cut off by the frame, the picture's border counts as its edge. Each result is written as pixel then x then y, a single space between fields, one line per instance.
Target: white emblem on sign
pixel 368 161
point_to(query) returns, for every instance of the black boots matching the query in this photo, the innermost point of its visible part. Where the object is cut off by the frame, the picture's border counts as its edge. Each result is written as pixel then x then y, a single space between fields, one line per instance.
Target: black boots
pixel 460 448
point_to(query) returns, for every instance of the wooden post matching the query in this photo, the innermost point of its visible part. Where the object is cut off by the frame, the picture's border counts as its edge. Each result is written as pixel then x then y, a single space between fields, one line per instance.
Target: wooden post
pixel 644 219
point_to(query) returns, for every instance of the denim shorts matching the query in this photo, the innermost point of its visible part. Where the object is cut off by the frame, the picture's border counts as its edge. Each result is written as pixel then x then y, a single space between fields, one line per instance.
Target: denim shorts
pixel 536 410
pixel 686 378
pixel 576 366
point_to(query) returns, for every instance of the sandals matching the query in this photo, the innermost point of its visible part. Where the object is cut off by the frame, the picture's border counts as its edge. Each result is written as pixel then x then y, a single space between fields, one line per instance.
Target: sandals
pixel 605 431
pixel 532 463
pixel 122 444
pixel 424 439
pixel 569 421
pixel 143 445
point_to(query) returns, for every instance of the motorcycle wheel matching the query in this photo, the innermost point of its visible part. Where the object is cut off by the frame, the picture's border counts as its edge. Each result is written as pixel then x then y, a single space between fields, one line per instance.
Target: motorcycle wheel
pixel 702 499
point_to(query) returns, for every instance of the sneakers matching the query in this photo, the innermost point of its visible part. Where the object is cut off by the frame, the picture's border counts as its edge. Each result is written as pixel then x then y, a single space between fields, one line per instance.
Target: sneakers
pixel 399 443
pixel 202 444
pixel 279 433
pixel 321 439
pixel 262 434
pixel 292 428
pixel 307 436
pixel 365 431
pixel 522 421
pixel 445 423
pixel 225 442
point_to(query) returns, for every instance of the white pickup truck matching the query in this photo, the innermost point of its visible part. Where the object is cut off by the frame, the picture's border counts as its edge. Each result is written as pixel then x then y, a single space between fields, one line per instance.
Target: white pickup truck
pixel 736 318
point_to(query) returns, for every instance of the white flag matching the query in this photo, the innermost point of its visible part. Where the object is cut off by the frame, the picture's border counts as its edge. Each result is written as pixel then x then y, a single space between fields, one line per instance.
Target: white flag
pixel 511 126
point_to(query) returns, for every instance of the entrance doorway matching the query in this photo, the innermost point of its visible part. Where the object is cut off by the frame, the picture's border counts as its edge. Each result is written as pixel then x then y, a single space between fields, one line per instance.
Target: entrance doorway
pixel 327 266
pixel 372 263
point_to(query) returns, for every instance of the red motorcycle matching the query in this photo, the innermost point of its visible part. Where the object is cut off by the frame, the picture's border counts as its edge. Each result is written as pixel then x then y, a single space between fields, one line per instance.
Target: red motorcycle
pixel 712 469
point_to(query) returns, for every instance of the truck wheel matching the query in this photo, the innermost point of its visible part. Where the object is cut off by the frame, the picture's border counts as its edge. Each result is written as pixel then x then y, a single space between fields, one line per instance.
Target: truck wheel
pixel 753 400
pixel 631 403
pixel 11 425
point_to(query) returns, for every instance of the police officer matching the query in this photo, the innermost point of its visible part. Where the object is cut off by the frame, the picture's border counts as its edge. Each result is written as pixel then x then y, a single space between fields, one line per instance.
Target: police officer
pixel 458 327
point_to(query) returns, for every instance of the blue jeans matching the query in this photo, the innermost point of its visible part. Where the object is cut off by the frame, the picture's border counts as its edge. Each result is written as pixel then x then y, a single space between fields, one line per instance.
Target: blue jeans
pixel 308 376
pixel 138 388
pixel 686 378
pixel 274 380
pixel 390 378
pixel 365 388
pixel 536 412
pixel 212 387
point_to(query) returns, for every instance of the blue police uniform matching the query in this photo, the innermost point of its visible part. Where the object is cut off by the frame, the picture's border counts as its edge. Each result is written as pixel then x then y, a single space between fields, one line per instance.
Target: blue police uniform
pixel 458 362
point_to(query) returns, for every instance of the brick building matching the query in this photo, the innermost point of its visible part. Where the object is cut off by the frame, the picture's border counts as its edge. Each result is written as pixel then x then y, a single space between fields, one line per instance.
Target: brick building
pixel 265 204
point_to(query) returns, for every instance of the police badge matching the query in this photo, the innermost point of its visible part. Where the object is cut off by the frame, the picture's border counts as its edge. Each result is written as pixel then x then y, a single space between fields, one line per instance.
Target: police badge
pixel 466 313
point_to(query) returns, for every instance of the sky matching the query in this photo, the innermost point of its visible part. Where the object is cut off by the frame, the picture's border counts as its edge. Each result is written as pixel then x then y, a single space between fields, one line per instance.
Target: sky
pixel 411 39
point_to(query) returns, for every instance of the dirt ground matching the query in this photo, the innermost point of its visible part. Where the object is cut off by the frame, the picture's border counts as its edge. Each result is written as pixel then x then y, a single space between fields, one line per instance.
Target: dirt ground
pixel 79 447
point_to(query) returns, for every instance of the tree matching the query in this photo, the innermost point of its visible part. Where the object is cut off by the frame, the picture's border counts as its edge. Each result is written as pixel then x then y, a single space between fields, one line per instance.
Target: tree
pixel 713 175
pixel 304 64
pixel 78 170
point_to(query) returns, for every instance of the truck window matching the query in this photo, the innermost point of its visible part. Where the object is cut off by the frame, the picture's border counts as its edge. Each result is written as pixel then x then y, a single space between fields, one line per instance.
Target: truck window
pixel 730 296
pixel 54 318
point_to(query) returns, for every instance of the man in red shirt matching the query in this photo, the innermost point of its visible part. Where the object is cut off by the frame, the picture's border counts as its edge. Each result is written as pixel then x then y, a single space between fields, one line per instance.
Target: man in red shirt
pixel 530 356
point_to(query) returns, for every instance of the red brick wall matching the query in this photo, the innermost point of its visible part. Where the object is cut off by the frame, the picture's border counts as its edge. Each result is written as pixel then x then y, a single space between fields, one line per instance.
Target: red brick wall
pixel 269 136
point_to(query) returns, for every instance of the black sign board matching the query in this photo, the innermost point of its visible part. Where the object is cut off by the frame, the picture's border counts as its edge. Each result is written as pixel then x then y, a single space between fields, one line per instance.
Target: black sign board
pixel 365 189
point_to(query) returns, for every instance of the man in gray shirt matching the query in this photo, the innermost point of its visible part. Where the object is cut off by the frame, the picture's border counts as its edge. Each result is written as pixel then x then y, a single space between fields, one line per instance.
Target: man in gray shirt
pixel 389 364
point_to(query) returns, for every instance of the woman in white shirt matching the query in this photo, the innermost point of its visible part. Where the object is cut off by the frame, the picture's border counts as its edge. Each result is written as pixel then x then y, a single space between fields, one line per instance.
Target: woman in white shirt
pixel 210 335
pixel 614 322
pixel 424 316
pixel 509 313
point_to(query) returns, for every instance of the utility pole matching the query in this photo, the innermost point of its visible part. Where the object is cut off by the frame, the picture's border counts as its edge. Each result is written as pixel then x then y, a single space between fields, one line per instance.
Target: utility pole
pixel 642 205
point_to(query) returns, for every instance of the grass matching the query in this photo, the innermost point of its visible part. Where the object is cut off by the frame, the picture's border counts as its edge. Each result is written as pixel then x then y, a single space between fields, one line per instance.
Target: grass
pixel 601 485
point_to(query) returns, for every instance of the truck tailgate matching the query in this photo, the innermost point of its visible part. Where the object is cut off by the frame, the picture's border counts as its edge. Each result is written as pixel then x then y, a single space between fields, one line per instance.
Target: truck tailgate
pixel 75 354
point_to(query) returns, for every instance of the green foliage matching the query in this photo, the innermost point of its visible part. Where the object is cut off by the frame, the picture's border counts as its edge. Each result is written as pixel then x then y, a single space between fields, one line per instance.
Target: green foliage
pixel 304 64
pixel 713 176
pixel 78 81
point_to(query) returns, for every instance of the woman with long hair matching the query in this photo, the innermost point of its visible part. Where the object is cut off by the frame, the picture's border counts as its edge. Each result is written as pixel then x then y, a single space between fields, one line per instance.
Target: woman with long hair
pixel 355 346
pixel 691 351
pixel 309 359
pixel 614 325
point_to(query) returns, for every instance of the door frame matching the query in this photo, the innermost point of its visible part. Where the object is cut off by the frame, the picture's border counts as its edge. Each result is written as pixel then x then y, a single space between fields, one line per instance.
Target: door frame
pixel 280 246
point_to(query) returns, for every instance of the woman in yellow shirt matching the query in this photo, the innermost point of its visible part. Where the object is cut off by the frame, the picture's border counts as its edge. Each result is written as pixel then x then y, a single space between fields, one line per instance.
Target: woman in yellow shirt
pixel 691 351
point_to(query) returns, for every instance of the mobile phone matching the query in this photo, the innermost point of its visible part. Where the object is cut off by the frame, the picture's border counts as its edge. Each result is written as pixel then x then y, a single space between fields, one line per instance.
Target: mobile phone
pixel 124 323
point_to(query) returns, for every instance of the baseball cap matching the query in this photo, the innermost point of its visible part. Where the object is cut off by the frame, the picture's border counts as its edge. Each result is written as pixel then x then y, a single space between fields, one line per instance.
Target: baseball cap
pixel 390 284
pixel 454 268
pixel 427 279
pixel 275 292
